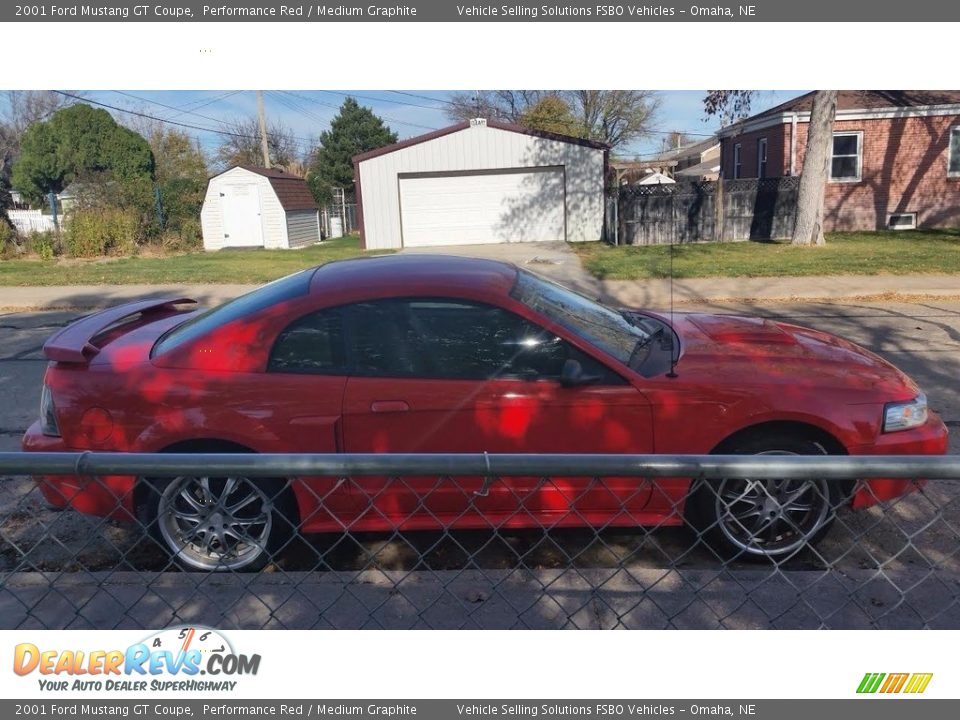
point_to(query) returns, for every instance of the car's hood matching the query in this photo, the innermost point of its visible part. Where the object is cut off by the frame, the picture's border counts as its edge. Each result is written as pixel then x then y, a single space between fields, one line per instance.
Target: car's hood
pixel 723 347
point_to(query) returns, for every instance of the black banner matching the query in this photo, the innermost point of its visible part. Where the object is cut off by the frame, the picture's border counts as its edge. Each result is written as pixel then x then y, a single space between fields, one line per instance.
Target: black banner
pixel 464 11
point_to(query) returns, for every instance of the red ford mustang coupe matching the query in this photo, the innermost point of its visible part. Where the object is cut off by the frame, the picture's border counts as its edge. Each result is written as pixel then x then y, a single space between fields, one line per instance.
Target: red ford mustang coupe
pixel 434 354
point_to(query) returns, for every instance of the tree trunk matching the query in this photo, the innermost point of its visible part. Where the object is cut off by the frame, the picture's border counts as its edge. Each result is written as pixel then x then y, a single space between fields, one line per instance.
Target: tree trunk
pixel 816 169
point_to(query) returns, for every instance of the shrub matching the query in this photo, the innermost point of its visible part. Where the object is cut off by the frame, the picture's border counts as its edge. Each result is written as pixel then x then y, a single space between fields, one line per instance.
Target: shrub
pixel 43 244
pixel 185 237
pixel 93 232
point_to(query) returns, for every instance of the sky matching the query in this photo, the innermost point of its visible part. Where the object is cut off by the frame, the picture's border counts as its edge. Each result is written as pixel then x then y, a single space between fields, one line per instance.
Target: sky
pixel 308 113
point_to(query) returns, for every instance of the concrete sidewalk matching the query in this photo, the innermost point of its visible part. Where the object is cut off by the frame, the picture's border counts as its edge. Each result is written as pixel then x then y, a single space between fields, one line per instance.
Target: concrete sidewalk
pixel 639 293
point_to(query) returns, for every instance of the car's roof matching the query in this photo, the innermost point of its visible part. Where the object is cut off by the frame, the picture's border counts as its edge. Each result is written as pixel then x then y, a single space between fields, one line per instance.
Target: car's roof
pixel 415 273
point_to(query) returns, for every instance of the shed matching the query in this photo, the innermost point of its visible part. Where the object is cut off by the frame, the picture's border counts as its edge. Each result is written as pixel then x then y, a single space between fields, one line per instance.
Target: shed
pixel 256 207
pixel 482 181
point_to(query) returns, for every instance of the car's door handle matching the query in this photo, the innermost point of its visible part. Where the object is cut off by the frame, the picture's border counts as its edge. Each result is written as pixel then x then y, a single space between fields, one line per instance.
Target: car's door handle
pixel 387 406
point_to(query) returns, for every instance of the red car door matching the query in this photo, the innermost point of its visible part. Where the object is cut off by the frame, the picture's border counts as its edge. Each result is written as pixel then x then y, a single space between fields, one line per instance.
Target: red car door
pixel 448 376
pixel 304 383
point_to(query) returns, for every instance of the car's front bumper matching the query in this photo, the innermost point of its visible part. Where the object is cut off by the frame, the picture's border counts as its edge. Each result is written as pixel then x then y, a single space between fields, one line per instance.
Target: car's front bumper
pixel 929 439
pixel 108 496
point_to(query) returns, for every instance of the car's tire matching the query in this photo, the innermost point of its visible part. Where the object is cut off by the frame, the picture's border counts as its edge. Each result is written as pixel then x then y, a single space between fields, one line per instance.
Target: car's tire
pixel 765 519
pixel 218 524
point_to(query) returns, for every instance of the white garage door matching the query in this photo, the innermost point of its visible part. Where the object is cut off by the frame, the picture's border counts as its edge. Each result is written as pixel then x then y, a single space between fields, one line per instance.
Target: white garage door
pixel 486 207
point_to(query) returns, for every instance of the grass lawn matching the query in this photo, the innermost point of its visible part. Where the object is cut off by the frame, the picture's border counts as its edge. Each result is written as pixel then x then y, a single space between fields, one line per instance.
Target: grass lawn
pixel 875 253
pixel 225 266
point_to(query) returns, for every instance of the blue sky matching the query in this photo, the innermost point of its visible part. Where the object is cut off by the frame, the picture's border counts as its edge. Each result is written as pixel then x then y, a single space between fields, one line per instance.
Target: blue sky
pixel 408 113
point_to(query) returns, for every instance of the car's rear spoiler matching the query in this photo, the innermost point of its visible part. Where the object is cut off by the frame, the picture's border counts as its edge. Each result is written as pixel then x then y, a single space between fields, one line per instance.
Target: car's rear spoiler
pixel 73 343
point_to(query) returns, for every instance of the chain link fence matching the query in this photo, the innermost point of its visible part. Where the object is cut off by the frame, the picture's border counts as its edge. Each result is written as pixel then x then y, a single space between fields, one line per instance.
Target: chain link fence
pixel 478 541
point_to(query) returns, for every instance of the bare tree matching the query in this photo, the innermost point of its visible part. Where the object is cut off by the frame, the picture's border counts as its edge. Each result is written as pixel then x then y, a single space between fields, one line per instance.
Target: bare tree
pixel 676 139
pixel 733 105
pixel 508 105
pixel 615 117
pixel 240 145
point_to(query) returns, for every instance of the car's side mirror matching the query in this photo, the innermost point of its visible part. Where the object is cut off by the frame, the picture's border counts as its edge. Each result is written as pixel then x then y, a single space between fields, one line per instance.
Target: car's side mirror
pixel 572 374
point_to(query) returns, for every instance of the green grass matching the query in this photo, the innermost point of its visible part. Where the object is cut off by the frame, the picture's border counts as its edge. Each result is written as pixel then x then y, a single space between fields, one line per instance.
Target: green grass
pixel 226 266
pixel 874 253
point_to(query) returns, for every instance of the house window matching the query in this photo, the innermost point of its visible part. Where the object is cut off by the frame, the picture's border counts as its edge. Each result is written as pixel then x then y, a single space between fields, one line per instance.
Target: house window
pixel 762 157
pixel 736 161
pixel 847 157
pixel 902 221
pixel 953 163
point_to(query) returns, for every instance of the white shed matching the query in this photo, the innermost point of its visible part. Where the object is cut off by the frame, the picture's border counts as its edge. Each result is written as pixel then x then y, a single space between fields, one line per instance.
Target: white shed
pixel 481 181
pixel 256 207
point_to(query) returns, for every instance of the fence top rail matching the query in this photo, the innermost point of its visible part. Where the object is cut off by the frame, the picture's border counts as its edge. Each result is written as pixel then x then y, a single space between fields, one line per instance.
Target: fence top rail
pixel 834 467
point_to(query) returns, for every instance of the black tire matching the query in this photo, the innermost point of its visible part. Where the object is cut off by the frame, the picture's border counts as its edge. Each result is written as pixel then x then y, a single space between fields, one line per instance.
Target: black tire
pixel 209 524
pixel 765 519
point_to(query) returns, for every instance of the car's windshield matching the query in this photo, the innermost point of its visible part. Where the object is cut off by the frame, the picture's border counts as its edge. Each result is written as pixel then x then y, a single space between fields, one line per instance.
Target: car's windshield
pixel 606 328
pixel 277 291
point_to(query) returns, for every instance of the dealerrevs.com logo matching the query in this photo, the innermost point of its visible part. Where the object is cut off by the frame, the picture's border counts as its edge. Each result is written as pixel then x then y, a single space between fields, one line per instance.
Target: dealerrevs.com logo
pixel 891 683
pixel 173 660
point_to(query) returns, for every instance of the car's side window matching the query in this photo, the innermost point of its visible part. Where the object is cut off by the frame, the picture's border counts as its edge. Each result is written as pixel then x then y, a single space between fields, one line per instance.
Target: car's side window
pixel 462 340
pixel 311 344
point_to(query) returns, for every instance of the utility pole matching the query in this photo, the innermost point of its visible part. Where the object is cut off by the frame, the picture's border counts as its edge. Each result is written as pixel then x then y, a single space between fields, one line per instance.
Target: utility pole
pixel 262 116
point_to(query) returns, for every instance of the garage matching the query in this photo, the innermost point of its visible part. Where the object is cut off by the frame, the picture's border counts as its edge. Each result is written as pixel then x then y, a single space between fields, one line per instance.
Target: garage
pixel 481 182
pixel 477 208
pixel 248 207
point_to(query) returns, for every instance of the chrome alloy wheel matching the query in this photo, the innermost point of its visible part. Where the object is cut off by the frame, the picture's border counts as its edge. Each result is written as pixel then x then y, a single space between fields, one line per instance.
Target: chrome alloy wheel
pixel 771 518
pixel 215 523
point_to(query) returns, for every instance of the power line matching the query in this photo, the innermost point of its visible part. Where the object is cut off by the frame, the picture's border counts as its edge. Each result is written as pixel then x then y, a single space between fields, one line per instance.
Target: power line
pixel 292 104
pixel 424 97
pixel 204 102
pixel 217 131
pixel 376 99
pixel 336 107
pixel 163 105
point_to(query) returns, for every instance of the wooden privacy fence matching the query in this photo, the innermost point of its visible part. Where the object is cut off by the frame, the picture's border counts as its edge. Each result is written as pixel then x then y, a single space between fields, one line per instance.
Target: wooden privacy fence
pixel 719 210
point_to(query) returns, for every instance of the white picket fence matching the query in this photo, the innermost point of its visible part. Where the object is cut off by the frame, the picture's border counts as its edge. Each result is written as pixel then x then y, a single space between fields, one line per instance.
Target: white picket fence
pixel 30 221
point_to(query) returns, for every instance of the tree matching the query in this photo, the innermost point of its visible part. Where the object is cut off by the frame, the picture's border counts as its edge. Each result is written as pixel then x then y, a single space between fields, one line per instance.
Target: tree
pixel 354 130
pixel 24 108
pixel 551 114
pixel 240 145
pixel 180 172
pixel 816 170
pixel 676 139
pixel 508 105
pixel 732 105
pixel 614 117
pixel 81 142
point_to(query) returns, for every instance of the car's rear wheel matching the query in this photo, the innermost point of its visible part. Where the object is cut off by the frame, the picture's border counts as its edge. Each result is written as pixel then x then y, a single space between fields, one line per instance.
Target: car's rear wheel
pixel 766 518
pixel 219 523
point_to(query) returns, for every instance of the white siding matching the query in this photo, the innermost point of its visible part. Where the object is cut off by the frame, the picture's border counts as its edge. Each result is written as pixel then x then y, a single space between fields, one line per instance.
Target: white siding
pixel 272 216
pixel 302 228
pixel 482 148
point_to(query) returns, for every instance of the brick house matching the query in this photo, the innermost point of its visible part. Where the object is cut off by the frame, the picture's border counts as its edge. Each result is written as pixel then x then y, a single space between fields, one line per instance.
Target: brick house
pixel 896 156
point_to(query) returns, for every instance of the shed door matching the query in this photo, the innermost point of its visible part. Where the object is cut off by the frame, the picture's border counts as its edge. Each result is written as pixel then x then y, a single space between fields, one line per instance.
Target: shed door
pixel 240 205
pixel 523 205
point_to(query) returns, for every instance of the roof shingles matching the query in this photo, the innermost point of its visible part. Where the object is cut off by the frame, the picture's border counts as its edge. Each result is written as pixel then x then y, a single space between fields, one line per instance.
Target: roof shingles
pixel 292 192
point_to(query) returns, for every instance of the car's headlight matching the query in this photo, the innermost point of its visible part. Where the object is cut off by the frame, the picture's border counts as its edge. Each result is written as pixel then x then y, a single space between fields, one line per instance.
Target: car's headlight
pixel 48 413
pixel 904 415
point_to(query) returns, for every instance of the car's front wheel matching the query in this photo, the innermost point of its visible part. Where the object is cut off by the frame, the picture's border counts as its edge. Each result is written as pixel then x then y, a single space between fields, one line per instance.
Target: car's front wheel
pixel 219 523
pixel 765 518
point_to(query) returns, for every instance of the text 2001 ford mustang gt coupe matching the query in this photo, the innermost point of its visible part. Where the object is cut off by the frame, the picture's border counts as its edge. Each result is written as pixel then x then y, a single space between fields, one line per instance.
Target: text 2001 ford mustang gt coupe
pixel 436 354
